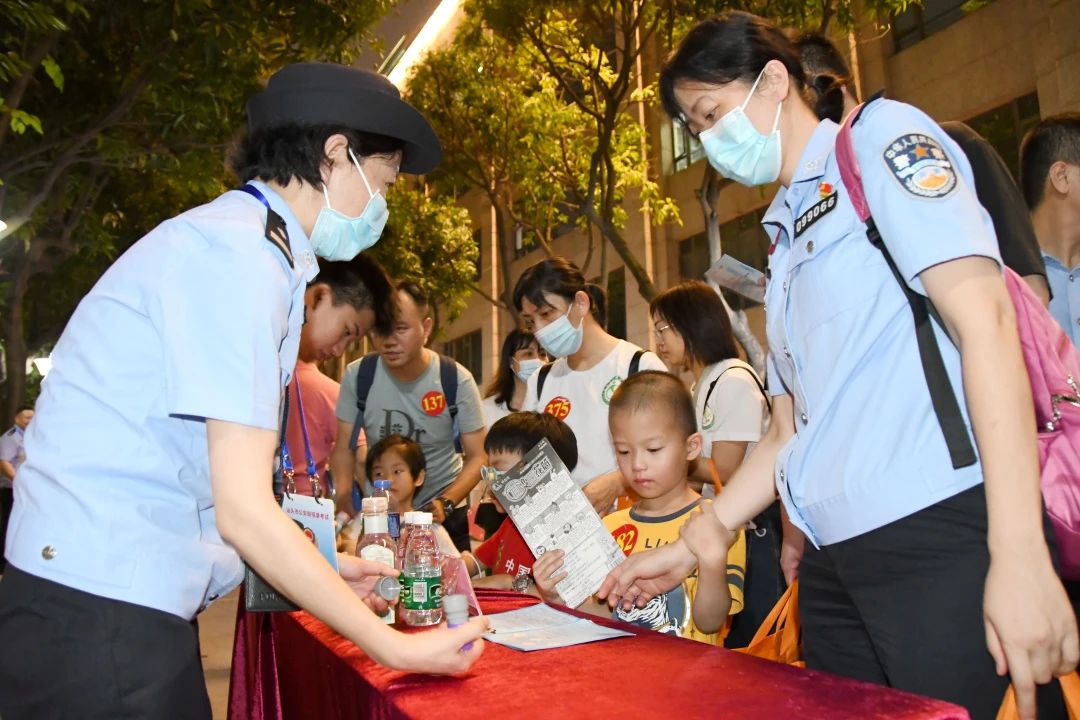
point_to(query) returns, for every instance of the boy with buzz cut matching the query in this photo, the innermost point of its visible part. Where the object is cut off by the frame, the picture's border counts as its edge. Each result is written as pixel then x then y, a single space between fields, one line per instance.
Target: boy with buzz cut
pixel 655 436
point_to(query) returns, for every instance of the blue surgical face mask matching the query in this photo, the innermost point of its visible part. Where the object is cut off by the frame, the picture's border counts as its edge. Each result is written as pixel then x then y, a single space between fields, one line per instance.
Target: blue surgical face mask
pixel 337 237
pixel 561 339
pixel 527 367
pixel 738 151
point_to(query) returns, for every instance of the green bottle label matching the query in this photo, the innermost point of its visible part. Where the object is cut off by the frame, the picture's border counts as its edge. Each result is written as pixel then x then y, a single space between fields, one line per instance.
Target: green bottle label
pixel 421 593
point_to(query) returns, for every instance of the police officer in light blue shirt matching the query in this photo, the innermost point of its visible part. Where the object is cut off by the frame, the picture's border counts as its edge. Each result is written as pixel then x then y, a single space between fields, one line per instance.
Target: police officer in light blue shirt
pixel 149 462
pixel 1050 177
pixel 903 537
pixel 12 456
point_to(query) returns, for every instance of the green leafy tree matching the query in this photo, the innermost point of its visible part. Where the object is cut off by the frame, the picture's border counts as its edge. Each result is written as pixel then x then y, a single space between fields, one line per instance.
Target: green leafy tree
pixel 596 53
pixel 428 241
pixel 500 124
pixel 116 115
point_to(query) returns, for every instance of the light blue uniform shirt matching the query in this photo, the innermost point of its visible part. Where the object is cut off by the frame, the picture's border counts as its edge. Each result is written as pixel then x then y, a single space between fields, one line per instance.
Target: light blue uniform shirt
pixel 867 449
pixel 1065 303
pixel 11 450
pixel 199 319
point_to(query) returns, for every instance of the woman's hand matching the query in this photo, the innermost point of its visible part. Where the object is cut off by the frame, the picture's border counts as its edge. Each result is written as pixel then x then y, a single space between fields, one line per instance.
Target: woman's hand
pixel 643 576
pixel 604 490
pixel 1030 625
pixel 361 575
pixel 706 536
pixel 439 651
pixel 791 551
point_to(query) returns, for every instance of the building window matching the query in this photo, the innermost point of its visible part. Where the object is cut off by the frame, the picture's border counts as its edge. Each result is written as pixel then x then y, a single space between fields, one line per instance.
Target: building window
pixel 616 303
pixel 920 21
pixel 1004 127
pixel 685 148
pixel 468 350
pixel 694 257
pixel 742 237
pixel 521 248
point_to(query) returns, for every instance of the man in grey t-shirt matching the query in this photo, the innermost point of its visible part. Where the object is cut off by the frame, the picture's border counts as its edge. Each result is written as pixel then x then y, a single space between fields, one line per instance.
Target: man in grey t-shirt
pixel 407 398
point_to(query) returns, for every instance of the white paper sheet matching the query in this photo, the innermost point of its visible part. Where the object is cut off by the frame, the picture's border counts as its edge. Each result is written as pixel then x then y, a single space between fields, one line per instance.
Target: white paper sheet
pixel 542 627
pixel 552 513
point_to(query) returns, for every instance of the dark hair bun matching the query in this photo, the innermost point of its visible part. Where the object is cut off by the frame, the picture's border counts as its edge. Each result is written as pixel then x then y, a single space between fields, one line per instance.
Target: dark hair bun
pixel 828 98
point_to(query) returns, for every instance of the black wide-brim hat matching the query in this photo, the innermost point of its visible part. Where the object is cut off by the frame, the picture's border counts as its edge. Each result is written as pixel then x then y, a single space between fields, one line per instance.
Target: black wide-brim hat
pixel 326 94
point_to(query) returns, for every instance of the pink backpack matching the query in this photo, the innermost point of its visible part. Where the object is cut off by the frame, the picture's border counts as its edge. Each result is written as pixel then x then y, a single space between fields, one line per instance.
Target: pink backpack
pixel 1053 365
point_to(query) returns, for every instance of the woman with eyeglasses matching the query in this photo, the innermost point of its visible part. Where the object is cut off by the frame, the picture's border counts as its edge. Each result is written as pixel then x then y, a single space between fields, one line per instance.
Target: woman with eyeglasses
pixel 567 316
pixel 927 569
pixel 694 337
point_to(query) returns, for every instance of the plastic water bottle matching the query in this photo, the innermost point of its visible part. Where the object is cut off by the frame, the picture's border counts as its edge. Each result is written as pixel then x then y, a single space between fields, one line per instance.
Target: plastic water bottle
pixel 456 608
pixel 408 520
pixel 376 544
pixel 393 515
pixel 421 577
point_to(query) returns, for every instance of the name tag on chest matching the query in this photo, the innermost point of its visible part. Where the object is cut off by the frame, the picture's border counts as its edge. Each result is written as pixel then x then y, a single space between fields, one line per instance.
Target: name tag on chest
pixel 811 216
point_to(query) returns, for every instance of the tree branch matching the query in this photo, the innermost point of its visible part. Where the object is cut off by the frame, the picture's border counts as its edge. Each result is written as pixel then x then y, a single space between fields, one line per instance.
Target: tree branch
pixel 494 301
pixel 70 156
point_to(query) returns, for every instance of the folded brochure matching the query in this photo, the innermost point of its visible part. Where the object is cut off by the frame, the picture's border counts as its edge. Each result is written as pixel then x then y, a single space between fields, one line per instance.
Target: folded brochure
pixel 552 513
pixel 727 272
pixel 542 627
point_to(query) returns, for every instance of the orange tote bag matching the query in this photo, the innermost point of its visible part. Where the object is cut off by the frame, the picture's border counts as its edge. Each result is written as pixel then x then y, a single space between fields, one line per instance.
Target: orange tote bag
pixel 780 636
pixel 1070 688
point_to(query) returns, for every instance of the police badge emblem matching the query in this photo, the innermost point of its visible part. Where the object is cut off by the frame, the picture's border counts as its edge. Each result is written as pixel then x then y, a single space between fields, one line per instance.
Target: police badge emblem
pixel 920 165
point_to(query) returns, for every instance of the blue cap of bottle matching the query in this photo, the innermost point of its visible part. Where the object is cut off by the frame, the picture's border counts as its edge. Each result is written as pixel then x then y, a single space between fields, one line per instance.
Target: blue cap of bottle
pixel 382 484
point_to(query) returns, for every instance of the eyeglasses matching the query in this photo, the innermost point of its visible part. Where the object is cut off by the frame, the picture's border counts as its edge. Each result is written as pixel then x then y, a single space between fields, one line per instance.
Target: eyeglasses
pixel 658 333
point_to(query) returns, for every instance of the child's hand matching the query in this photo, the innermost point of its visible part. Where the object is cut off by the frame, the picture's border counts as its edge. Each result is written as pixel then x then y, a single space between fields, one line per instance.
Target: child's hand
pixel 707 537
pixel 547 572
pixel 438 514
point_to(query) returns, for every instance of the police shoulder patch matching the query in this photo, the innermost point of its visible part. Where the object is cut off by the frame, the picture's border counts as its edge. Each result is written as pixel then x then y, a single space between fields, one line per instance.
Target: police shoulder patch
pixel 920 165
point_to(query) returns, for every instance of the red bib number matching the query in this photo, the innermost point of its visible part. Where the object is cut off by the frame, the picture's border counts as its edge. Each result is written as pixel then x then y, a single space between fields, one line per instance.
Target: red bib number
pixel 433 403
pixel 559 407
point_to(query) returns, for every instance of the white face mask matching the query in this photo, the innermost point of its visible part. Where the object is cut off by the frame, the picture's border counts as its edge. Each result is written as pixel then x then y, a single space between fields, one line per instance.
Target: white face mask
pixel 526 368
pixel 561 339
pixel 338 237
pixel 738 151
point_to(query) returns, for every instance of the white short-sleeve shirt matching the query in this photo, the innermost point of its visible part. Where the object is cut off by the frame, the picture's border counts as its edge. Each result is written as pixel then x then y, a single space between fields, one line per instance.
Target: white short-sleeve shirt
pixel 736 410
pixel 580 399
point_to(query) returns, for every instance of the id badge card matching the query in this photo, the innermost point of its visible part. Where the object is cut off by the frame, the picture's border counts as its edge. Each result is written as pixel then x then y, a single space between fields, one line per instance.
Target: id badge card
pixel 316 519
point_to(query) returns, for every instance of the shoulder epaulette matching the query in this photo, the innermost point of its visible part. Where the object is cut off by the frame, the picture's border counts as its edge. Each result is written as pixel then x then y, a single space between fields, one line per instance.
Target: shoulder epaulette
pixel 278 235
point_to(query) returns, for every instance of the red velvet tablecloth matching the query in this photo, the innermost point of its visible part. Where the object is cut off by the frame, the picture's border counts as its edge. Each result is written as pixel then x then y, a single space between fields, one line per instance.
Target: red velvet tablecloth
pixel 288 666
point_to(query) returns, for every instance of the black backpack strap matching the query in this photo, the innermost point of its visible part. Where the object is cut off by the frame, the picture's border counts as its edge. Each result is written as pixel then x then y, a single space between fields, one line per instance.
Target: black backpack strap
pixel 757 381
pixel 942 398
pixel 541 378
pixel 635 364
pixel 448 378
pixel 365 376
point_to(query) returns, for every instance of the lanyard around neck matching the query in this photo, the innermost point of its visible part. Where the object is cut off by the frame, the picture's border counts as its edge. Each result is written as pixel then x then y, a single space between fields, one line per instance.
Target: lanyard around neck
pixel 286 458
